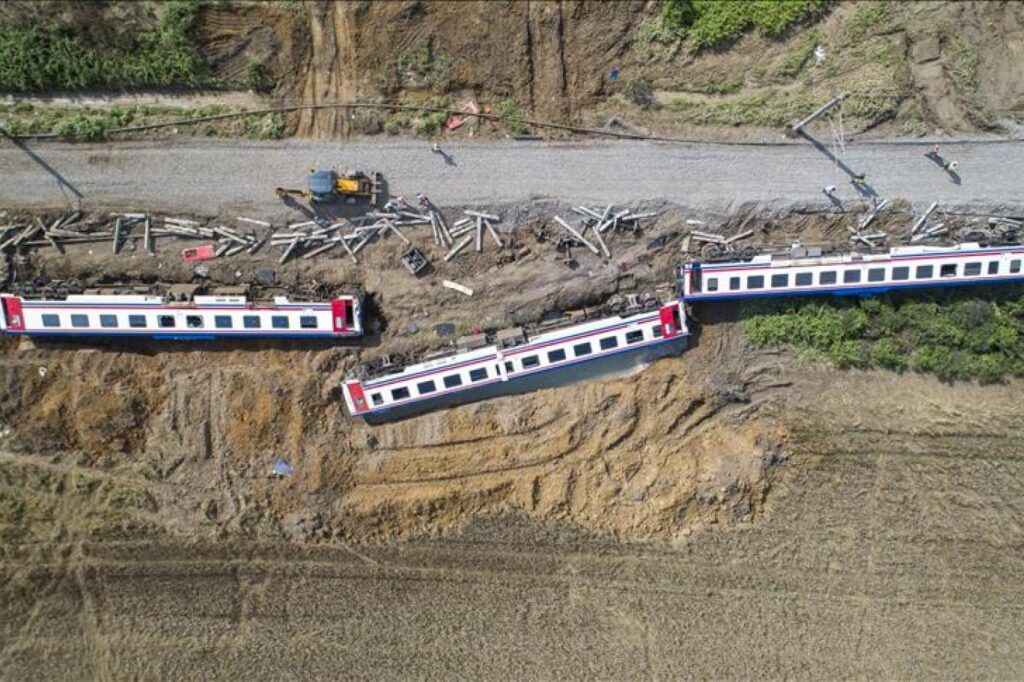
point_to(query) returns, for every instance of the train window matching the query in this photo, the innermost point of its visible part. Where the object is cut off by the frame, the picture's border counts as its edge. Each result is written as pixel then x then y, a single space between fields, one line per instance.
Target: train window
pixel 734 283
pixel 609 342
pixel 376 398
pixel 136 321
pixel 399 393
pixel 79 320
pixel 993 267
pixel 851 276
pixel 509 367
pixel 165 321
pixel 924 272
pixel 755 282
pixel 780 281
pixel 425 387
pixel 947 270
pixel 804 279
pixel 452 380
pixel 556 355
pixel 1015 266
pixel 194 321
pixel 656 331
pixel 827 277
pixel 635 336
pixel 712 284
pixel 279 322
pixel 531 361
pixel 51 320
pixel 581 349
pixel 478 374
pixel 222 321
pixel 901 273
pixel 108 321
pixel 307 321
pixel 876 275
pixel 972 269
pixel 251 321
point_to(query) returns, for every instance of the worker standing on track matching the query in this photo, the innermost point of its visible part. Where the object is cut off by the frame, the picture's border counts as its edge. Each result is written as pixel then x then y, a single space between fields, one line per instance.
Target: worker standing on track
pixel 951 166
pixel 859 180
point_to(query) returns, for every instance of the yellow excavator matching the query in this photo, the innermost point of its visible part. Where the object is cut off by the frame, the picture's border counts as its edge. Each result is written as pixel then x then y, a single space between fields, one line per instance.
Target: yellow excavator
pixel 327 185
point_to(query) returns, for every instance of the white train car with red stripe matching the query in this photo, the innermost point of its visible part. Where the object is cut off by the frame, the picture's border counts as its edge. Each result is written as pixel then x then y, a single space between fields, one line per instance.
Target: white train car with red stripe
pixel 514 361
pixel 803 272
pixel 180 314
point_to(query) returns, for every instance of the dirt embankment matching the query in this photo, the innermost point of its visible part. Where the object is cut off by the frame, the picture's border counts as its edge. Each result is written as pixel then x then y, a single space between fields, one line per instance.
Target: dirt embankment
pixel 909 68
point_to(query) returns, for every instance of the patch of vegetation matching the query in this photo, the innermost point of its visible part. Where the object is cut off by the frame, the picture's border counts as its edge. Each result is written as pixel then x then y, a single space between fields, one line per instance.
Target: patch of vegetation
pixel 709 23
pixel 422 67
pixel 728 86
pixel 651 33
pixel 801 54
pixel 428 122
pixel 955 336
pixel 963 67
pixel 53 56
pixel 396 123
pixel 259 79
pixel 86 124
pixel 510 112
pixel 681 104
pixel 869 18
pixel 639 91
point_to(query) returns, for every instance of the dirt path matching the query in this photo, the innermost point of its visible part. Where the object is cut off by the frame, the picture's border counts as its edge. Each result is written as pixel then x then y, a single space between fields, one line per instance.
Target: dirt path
pixel 213 177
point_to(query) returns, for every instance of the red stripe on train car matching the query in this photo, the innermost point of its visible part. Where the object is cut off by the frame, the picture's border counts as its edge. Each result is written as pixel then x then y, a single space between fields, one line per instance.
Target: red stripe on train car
pixel 355 391
pixel 670 321
pixel 13 314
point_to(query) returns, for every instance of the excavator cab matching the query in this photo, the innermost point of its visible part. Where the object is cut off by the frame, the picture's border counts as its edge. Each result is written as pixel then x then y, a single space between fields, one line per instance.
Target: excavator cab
pixel 322 186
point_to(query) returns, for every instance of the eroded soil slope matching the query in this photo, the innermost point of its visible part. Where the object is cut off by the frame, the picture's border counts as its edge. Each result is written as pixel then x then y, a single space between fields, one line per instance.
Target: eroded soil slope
pixel 908 67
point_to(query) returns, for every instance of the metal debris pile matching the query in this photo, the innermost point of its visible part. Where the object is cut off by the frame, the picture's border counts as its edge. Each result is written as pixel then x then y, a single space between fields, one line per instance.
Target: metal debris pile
pixel 471 228
pixel 124 230
pixel 869 239
pixel 599 223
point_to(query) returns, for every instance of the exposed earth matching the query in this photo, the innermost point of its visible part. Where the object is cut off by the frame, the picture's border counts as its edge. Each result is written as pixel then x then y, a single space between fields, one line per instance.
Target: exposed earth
pixel 731 512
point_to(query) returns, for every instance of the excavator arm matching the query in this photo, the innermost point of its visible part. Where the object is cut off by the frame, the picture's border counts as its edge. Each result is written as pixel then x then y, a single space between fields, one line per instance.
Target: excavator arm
pixel 283 192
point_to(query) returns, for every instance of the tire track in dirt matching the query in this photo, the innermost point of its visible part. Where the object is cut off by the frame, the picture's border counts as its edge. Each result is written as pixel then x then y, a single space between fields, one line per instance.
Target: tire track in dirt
pixel 331 70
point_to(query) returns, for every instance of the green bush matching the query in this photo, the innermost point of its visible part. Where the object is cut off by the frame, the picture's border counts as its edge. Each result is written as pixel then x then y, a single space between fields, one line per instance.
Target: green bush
pixel 81 127
pixel 954 336
pixel 707 23
pixel 259 79
pixel 510 112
